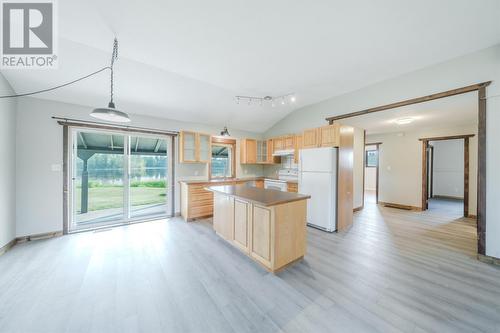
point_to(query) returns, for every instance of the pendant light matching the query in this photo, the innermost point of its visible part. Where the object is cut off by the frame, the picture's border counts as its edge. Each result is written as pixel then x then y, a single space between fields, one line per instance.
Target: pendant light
pixel 225 132
pixel 111 113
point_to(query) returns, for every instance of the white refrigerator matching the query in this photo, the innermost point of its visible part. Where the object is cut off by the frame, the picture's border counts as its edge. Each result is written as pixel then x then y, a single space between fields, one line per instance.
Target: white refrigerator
pixel 318 178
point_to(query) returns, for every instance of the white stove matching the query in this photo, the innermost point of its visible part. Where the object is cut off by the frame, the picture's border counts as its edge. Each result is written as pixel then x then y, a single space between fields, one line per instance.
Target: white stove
pixel 280 184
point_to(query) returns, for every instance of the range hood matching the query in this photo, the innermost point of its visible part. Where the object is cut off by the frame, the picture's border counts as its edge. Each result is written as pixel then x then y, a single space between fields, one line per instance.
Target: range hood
pixel 285 152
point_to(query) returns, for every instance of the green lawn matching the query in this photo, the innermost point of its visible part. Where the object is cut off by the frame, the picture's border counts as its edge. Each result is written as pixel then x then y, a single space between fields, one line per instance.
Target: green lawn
pixel 112 196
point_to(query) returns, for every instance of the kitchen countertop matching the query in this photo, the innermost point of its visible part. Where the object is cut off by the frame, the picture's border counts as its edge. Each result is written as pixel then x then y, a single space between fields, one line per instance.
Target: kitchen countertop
pixel 264 197
pixel 231 180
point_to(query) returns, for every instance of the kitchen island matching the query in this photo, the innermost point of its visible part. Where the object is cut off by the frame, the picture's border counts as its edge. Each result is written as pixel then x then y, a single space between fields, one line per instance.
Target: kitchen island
pixel 269 226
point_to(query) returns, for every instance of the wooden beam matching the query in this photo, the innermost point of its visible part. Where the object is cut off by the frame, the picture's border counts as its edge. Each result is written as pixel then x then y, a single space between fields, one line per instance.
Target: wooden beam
pixel 424 175
pixel 450 137
pixel 417 100
pixel 481 175
pixel 466 177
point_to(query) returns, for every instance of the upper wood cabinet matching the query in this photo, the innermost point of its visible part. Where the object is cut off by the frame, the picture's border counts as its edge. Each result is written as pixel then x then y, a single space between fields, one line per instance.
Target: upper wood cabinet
pixel 310 138
pixel 298 146
pixel 289 142
pixel 330 135
pixel 248 151
pixel 278 144
pixel 325 136
pixel 257 152
pixel 194 147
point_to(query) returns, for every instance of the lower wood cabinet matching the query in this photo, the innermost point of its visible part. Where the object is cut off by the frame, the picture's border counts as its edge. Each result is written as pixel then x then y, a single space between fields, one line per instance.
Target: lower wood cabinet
pixel 261 235
pixel 273 236
pixel 241 212
pixel 292 187
pixel 224 216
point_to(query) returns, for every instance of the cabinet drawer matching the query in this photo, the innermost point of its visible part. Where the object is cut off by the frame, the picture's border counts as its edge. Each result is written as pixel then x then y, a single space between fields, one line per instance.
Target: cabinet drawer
pixel 199 211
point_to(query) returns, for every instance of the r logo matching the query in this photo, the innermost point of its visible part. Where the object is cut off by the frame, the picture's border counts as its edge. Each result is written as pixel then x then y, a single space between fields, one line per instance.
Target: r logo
pixel 27 28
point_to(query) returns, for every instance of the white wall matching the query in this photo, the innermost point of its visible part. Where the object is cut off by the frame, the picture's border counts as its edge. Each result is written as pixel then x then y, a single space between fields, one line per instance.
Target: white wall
pixel 358 162
pixel 470 69
pixel 400 165
pixel 448 170
pixel 7 164
pixel 40 145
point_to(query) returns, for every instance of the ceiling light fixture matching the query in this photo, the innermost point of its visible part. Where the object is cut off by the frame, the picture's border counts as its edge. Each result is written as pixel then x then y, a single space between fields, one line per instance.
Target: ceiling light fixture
pixel 285 99
pixel 225 132
pixel 111 113
pixel 404 121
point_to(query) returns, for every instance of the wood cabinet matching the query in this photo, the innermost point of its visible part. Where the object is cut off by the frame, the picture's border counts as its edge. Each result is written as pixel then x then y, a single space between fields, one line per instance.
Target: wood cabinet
pixel 241 218
pixel 310 138
pixel 257 152
pixel 278 144
pixel 223 220
pixel 261 235
pixel 273 236
pixel 248 151
pixel 196 202
pixel 292 187
pixel 289 142
pixel 330 135
pixel 325 136
pixel 194 147
pixel 298 147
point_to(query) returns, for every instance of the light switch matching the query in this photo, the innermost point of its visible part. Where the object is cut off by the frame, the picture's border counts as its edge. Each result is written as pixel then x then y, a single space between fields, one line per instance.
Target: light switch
pixel 56 167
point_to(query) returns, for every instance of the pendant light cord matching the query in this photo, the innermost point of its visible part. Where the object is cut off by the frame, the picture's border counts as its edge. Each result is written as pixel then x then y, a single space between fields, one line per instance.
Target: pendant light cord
pixel 114 56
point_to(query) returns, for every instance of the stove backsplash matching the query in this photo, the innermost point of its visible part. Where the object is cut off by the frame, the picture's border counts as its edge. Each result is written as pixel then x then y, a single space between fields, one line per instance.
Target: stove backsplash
pixel 288 162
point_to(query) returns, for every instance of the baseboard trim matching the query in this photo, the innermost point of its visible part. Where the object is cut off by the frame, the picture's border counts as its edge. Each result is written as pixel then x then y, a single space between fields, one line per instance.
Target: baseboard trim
pixel 447 197
pixel 34 237
pixel 29 238
pixel 7 246
pixel 357 209
pixel 488 259
pixel 399 206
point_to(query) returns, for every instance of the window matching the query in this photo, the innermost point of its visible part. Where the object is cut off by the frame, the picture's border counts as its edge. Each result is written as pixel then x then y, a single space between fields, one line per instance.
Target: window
pixel 371 160
pixel 222 161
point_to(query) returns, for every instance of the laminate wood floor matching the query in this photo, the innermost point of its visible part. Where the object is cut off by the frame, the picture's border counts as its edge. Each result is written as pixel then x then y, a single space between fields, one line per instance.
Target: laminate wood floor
pixel 394 271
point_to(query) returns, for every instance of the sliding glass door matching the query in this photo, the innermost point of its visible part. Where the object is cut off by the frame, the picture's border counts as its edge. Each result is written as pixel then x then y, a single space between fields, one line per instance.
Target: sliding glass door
pixel 118 178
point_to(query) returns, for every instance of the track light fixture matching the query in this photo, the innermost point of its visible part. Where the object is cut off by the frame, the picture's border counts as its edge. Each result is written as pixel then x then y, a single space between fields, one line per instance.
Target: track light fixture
pixel 285 99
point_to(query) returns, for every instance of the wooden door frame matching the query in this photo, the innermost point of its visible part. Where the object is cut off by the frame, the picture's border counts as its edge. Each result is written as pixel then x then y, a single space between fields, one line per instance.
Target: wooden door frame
pixel 377 167
pixel 425 171
pixel 481 167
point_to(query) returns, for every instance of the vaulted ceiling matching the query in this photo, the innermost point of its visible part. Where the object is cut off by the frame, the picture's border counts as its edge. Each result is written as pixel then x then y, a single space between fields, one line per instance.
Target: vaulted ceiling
pixel 186 60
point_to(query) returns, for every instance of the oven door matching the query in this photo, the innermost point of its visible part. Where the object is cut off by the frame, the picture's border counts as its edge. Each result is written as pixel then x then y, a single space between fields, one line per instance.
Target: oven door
pixel 271 185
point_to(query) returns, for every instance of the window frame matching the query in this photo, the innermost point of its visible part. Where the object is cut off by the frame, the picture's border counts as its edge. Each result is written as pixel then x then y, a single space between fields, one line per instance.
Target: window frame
pixel 230 143
pixel 366 158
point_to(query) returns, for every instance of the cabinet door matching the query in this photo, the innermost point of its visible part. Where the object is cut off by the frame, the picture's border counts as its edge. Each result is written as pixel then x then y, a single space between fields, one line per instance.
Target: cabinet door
pixel 187 147
pixel 241 224
pixel 310 138
pixel 277 144
pixel 261 235
pixel 289 142
pixel 204 147
pixel 223 219
pixel 251 151
pixel 329 136
pixel 298 147
pixel 248 151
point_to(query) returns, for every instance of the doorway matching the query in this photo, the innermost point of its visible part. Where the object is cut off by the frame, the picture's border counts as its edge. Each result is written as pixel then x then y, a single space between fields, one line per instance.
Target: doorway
pixel 118 178
pixel 445 175
pixel 372 155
